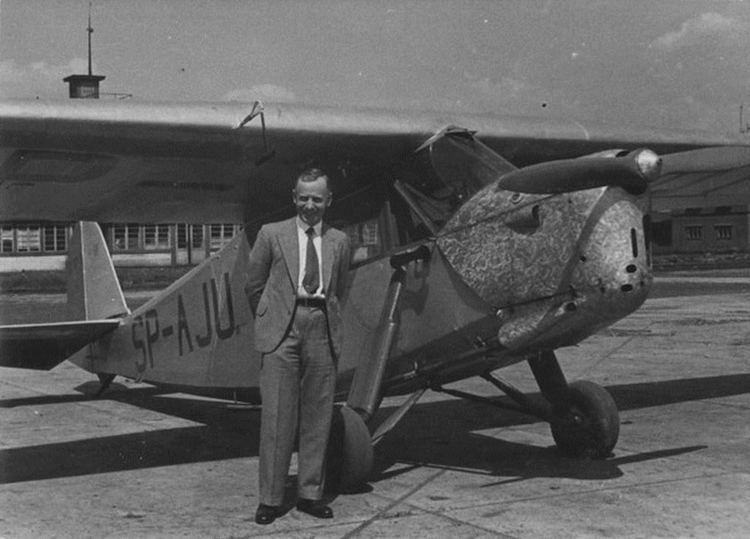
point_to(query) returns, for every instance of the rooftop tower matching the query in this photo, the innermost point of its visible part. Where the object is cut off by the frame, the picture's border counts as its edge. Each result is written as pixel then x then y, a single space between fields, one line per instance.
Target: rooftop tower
pixel 85 86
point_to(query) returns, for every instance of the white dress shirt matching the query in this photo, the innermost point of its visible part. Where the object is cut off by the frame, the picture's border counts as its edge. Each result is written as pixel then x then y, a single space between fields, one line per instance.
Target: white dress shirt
pixel 302 242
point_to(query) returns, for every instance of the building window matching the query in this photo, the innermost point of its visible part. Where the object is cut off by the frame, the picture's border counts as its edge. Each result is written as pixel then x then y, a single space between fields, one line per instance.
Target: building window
pixel 181 235
pixel 156 237
pixel 694 232
pixel 723 232
pixel 7 240
pixel 55 239
pixel 221 234
pixel 125 237
pixel 28 239
pixel 197 236
pixel 189 233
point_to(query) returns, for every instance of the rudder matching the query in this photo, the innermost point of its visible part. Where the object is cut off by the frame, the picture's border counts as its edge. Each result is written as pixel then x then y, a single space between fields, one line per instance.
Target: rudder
pixel 94 291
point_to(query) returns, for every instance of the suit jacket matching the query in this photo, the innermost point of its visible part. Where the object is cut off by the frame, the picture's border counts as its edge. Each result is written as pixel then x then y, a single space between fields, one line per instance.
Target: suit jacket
pixel 273 271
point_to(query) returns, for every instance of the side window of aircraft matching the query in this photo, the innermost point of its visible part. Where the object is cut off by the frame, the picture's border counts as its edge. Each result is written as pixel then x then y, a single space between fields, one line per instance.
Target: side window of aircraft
pixel 366 240
pixel 365 215
pixel 412 222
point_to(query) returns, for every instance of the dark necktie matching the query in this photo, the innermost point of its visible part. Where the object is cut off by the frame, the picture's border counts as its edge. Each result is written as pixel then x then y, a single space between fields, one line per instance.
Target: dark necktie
pixel 311 280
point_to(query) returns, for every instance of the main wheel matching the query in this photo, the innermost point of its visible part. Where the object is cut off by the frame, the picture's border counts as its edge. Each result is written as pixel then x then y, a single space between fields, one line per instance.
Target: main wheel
pixel 592 426
pixel 350 453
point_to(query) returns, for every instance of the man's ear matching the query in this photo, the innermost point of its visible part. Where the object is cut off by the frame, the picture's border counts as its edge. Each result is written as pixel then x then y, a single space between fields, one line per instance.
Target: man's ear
pixel 329 200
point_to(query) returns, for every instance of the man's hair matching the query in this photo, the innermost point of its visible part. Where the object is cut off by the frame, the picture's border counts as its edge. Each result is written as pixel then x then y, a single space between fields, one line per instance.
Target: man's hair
pixel 312 174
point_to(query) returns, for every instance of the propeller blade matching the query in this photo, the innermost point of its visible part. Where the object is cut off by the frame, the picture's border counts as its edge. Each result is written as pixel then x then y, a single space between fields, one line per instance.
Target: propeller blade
pixel 633 172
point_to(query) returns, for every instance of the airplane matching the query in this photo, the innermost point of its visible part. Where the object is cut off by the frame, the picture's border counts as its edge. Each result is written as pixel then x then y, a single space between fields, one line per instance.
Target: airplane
pixel 480 241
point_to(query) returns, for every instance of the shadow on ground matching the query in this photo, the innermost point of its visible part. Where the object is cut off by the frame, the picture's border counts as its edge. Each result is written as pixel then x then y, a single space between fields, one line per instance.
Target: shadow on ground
pixel 440 434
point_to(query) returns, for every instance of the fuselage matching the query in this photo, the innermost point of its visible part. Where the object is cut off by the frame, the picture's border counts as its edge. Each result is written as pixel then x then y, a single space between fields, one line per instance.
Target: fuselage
pixel 509 275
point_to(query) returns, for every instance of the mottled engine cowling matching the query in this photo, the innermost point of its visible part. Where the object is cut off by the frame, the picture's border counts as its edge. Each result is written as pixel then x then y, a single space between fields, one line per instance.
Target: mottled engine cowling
pixel 556 267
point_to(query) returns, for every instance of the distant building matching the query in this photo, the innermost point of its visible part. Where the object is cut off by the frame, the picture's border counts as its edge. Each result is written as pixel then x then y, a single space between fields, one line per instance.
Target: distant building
pixel 33 246
pixel 36 247
pixel 83 86
pixel 719 229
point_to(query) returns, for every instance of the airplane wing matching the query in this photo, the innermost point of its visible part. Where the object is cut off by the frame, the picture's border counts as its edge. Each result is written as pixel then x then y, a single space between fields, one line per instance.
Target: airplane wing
pixel 121 161
pixel 42 346
pixel 718 176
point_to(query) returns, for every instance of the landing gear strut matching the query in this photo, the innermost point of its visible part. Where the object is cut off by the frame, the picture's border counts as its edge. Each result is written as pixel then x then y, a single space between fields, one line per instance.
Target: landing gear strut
pixel 585 421
pixel 583 416
pixel 350 453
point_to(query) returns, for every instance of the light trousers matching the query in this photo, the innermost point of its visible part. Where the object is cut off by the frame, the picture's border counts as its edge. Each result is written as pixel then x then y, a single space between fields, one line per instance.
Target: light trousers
pixel 297 383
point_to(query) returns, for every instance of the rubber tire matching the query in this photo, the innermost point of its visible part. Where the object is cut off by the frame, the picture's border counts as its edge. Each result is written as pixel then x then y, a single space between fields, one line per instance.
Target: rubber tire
pixel 350 452
pixel 596 434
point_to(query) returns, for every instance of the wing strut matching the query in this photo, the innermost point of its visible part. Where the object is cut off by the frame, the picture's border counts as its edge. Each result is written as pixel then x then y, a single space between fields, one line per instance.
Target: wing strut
pixel 365 393
pixel 258 111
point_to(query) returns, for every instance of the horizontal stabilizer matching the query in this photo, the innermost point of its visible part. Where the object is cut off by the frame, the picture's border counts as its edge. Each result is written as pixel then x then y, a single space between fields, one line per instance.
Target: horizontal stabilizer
pixel 43 346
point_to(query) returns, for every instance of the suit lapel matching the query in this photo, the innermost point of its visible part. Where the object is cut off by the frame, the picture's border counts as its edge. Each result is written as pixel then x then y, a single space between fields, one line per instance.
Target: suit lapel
pixel 290 249
pixel 327 245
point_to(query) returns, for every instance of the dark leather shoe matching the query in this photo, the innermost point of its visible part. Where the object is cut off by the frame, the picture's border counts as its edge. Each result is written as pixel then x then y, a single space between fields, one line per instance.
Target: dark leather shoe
pixel 315 508
pixel 266 514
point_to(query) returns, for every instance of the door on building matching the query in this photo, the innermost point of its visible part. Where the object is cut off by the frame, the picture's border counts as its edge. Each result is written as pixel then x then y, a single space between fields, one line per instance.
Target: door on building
pixel 191 244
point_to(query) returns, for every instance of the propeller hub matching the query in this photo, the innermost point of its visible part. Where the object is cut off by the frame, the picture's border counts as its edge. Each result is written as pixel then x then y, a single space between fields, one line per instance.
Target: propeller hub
pixel 649 164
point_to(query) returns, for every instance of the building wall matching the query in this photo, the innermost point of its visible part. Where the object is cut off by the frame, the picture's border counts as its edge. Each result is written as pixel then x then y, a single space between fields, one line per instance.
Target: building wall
pixel 33 247
pixel 36 247
pixel 722 229
pixel 32 263
pixel 141 259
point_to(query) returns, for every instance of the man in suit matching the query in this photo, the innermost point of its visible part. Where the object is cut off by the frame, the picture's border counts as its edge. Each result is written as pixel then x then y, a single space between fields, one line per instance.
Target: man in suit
pixel 297 279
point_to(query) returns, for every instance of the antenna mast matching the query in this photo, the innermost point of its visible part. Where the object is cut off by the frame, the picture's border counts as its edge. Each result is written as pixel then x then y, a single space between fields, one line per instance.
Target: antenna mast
pixel 90 31
pixel 85 86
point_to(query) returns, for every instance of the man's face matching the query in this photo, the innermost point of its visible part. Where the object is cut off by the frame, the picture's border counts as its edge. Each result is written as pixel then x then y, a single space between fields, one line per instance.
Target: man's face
pixel 311 200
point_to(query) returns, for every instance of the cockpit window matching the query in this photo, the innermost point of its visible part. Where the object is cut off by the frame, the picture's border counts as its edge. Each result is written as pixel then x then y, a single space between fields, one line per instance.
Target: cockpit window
pixel 456 165
pixel 365 216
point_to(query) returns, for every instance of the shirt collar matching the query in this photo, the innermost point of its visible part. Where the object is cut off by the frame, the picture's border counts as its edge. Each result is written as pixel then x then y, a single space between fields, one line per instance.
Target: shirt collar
pixel 304 226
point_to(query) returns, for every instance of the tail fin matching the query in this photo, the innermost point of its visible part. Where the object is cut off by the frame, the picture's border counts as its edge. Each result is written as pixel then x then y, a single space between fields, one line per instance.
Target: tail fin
pixel 94 291
pixel 94 296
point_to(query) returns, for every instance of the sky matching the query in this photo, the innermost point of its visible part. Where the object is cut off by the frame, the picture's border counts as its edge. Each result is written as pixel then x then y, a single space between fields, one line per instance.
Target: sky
pixel 670 63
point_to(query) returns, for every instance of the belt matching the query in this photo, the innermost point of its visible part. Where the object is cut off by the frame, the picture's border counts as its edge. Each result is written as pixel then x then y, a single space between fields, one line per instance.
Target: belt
pixel 317 303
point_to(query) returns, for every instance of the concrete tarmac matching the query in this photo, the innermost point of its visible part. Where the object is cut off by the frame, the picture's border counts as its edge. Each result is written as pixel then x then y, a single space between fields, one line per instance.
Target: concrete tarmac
pixel 142 463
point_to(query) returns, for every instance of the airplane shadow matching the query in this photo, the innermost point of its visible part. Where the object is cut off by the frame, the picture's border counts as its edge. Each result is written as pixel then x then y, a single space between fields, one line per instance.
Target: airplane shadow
pixel 125 452
pixel 450 440
pixel 439 434
pixel 222 434
pixel 86 393
pixel 508 462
